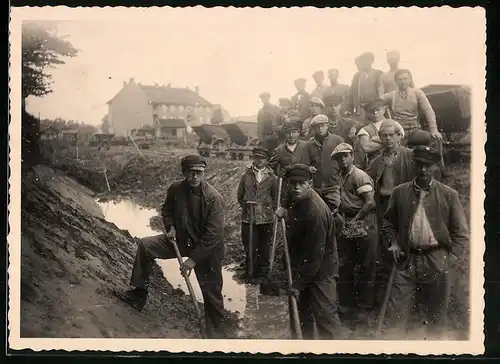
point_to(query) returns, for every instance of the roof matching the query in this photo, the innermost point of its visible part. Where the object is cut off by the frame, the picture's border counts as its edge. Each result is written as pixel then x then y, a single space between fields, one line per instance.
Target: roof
pixel 146 128
pixel 164 94
pixel 172 123
pixel 50 129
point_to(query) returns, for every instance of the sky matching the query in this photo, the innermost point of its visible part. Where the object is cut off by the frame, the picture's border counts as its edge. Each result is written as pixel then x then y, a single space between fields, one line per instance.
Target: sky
pixel 234 54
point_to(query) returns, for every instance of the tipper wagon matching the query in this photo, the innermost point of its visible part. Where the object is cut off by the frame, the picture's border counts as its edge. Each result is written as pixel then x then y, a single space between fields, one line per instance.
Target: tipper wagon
pixel 243 138
pixel 213 140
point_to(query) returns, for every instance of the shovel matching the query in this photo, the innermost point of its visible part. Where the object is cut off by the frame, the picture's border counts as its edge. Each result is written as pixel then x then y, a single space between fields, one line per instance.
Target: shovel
pixel 191 292
pixel 383 310
pixel 293 299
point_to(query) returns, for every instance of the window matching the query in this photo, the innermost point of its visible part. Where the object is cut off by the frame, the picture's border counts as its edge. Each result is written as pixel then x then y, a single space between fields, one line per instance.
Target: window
pixel 181 108
pixel 202 119
pixel 174 132
pixel 172 108
pixel 163 108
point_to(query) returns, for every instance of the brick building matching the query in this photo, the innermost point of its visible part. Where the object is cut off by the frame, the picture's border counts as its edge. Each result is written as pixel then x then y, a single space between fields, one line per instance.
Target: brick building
pixel 136 105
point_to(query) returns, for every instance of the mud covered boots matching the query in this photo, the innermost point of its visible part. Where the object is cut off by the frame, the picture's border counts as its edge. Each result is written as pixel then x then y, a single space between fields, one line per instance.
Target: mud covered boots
pixel 136 297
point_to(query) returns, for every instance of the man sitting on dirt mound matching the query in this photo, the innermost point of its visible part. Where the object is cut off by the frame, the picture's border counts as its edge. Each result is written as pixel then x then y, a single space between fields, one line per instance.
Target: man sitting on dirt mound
pixel 195 209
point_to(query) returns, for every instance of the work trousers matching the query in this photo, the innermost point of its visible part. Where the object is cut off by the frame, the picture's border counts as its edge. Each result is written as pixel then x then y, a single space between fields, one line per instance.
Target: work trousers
pixel 357 273
pixel 262 235
pixel 384 259
pixel 422 281
pixel 208 272
pixel 317 304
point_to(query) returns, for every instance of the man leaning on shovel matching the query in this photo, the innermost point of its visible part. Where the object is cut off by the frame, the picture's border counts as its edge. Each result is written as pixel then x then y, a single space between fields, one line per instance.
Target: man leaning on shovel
pixel 195 209
pixel 314 259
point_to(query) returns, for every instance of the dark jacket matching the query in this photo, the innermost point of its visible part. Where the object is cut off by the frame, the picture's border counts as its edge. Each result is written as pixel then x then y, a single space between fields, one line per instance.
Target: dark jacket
pixel 267 119
pixel 282 157
pixel 302 105
pixel 364 91
pixel 444 212
pixel 265 192
pixel 326 180
pixel 311 240
pixel 175 212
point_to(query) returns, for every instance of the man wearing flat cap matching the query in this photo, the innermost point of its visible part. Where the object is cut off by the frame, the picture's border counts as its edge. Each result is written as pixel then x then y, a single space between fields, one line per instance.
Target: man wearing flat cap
pixel 369 144
pixel 194 209
pixel 335 88
pixel 426 230
pixel 300 100
pixel 316 107
pixel 366 85
pixel 345 127
pixel 357 203
pixel 319 80
pixel 267 119
pixel 314 257
pixel 258 197
pixel 326 181
pixel 286 112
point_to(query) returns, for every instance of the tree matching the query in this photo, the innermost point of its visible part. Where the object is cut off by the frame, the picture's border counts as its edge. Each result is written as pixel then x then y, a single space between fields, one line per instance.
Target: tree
pixel 217 117
pixel 42 49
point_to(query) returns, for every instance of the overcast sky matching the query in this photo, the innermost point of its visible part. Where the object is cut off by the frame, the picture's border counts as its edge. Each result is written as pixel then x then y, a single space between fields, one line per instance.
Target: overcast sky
pixel 234 54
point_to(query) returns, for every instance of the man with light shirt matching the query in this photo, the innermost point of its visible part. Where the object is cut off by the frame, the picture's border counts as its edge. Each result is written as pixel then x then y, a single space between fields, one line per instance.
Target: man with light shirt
pixel 426 230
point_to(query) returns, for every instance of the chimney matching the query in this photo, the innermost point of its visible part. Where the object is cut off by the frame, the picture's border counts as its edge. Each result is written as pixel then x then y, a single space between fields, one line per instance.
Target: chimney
pixel 169 85
pixel 197 89
pixel 124 83
pixel 131 80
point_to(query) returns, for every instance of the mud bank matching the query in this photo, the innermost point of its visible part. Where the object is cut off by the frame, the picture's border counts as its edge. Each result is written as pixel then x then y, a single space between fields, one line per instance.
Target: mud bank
pixel 71 260
pixel 145 181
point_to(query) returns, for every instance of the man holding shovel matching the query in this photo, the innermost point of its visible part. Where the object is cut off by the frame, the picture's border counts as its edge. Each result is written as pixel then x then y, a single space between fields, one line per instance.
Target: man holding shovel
pixel 312 246
pixel 258 198
pixel 195 209
pixel 425 224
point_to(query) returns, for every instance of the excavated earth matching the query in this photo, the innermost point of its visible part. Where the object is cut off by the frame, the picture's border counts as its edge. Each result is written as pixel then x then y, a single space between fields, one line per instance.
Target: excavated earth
pixel 81 256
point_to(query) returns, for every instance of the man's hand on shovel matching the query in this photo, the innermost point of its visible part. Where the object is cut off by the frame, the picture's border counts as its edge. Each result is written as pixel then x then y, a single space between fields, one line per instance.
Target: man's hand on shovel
pixel 397 252
pixel 294 292
pixel 187 267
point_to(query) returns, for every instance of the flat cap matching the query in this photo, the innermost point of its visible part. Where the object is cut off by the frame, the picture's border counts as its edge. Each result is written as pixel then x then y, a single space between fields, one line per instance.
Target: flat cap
pixel 284 101
pixel 193 162
pixel 260 152
pixel 426 154
pixel 419 137
pixel 318 73
pixel 316 100
pixel 292 125
pixel 298 172
pixel 264 94
pixel 374 104
pixel 342 148
pixel 319 119
pixel 366 56
pixel 300 80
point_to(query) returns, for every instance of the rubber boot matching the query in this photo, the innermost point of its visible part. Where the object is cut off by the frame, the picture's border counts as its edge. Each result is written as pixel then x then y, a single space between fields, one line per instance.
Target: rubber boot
pixel 136 297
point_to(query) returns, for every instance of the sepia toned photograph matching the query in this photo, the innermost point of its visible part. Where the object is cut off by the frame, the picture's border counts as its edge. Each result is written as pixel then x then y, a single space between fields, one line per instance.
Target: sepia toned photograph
pixel 220 179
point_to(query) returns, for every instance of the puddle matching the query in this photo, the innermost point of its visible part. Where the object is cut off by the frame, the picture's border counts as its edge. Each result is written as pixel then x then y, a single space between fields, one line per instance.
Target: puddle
pixel 130 216
pixel 263 317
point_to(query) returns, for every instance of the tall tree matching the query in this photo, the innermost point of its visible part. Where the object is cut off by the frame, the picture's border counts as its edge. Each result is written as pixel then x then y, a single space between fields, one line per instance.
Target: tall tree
pixel 42 49
pixel 217 116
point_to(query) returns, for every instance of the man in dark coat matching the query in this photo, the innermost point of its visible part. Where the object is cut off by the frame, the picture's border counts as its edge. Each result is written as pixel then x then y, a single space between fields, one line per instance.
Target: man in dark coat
pixel 300 101
pixel 267 119
pixel 314 257
pixel 426 230
pixel 258 197
pixel 194 209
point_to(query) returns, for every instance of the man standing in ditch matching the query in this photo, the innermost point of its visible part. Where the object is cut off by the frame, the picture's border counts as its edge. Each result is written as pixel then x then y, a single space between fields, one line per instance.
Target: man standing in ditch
pixel 194 209
pixel 426 230
pixel 313 254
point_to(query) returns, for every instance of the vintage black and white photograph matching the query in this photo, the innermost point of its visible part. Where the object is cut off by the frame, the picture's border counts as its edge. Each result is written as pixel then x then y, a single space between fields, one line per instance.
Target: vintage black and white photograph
pixel 291 180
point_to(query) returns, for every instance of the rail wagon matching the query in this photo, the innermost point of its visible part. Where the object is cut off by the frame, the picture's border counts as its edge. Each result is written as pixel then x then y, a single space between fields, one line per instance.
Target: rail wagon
pixel 213 140
pixel 243 138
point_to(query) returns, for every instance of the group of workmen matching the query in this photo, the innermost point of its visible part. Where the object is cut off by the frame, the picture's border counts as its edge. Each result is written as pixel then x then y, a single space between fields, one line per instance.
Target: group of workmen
pixel 346 156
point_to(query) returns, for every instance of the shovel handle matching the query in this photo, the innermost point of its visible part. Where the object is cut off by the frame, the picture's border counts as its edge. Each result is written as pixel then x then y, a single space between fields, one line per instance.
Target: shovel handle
pixel 383 310
pixel 191 291
pixel 293 300
pixel 275 229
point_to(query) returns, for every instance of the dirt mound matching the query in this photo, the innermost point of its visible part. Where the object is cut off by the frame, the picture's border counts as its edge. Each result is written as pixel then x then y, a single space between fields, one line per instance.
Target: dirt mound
pixel 71 261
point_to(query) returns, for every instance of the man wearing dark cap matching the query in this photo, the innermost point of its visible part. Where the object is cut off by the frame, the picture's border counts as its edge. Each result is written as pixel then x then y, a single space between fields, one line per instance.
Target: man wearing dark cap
pixel 326 181
pixel 347 128
pixel 267 119
pixel 393 57
pixel 426 230
pixel 194 209
pixel 258 197
pixel 335 88
pixel 314 257
pixel 356 204
pixel 366 85
pixel 301 99
pixel 286 112
pixel 369 145
pixel 316 107
pixel 319 80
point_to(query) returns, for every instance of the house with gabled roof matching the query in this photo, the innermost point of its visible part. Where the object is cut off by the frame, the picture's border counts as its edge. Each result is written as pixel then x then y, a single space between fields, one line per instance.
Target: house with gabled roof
pixel 137 104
